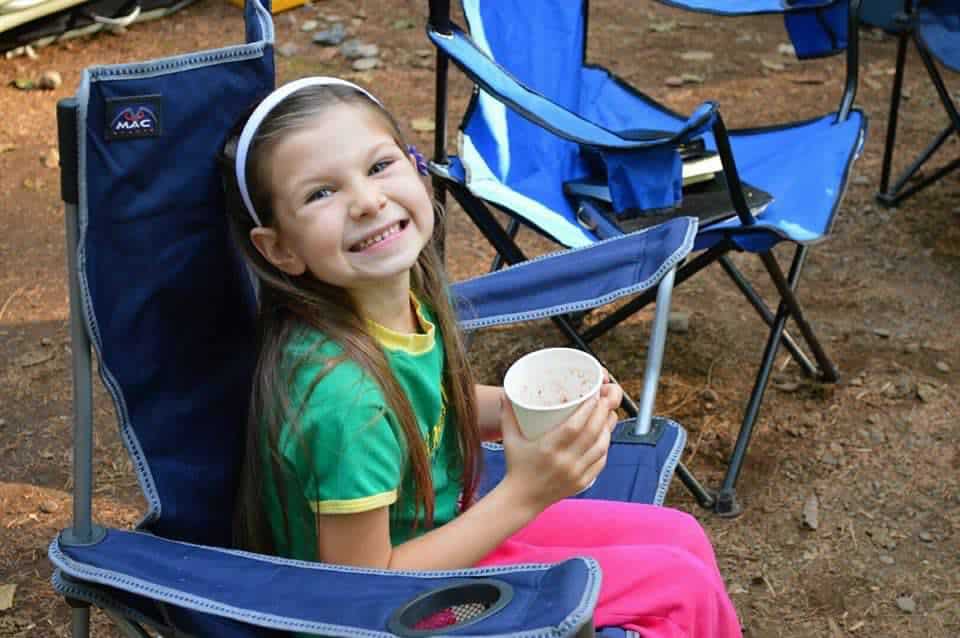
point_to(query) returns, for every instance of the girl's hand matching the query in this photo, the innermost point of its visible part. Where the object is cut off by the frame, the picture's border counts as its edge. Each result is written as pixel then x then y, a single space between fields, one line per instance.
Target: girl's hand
pixel 565 460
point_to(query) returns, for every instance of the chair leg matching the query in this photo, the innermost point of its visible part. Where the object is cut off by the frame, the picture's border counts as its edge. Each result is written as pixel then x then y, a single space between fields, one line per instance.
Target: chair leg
pixel 483 219
pixel 127 627
pixel 79 619
pixel 512 229
pixel 891 196
pixel 899 193
pixel 785 287
pixel 727 505
pixel 726 500
pixel 758 304
pixel 883 195
pixel 941 88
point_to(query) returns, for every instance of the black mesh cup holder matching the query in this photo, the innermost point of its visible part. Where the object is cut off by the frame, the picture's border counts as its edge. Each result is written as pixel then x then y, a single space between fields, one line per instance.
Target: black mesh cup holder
pixel 452 607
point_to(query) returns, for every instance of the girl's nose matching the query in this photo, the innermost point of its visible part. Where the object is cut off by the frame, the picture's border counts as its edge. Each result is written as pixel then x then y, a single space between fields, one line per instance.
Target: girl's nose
pixel 367 199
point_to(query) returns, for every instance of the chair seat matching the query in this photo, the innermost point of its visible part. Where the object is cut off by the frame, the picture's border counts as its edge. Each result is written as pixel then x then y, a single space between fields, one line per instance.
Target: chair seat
pixel 806 193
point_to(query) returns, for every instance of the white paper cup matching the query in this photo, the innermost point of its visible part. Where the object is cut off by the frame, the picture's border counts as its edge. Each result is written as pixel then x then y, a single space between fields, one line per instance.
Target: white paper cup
pixel 546 386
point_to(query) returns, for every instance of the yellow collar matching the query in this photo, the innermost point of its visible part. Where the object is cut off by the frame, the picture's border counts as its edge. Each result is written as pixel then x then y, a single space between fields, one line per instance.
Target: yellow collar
pixel 416 343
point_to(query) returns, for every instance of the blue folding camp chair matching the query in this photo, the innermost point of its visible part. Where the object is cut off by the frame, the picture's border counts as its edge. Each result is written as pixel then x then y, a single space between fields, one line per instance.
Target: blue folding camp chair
pixel 573 152
pixel 934 27
pixel 159 294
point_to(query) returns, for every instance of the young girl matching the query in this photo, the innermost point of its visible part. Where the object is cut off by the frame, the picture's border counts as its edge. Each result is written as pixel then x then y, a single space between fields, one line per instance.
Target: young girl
pixel 364 439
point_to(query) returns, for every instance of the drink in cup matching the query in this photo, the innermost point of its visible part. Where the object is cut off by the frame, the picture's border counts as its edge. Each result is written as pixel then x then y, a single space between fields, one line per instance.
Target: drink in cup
pixel 546 386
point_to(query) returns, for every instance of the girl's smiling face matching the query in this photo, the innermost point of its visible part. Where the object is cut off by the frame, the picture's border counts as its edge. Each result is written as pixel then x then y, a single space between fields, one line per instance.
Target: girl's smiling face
pixel 349 204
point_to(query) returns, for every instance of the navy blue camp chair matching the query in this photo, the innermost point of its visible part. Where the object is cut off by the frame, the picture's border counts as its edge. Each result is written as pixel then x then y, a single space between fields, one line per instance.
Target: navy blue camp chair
pixel 934 28
pixel 159 294
pixel 542 121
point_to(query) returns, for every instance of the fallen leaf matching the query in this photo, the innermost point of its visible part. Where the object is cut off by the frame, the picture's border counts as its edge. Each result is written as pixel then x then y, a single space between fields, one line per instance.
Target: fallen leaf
pixel 786 49
pixel 907 604
pixel 663 27
pixel 51 159
pixel 403 23
pixel 423 124
pixel 6 596
pixel 927 392
pixel 811 512
pixel 696 56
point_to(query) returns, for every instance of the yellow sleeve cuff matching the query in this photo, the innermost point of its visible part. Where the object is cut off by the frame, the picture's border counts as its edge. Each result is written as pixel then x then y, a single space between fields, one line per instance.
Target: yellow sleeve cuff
pixel 355 505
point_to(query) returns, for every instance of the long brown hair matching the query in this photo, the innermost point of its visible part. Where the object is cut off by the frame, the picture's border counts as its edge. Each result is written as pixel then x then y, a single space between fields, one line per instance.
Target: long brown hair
pixel 287 304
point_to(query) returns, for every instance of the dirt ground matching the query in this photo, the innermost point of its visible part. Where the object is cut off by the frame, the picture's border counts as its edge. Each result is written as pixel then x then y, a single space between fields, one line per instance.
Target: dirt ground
pixel 876 453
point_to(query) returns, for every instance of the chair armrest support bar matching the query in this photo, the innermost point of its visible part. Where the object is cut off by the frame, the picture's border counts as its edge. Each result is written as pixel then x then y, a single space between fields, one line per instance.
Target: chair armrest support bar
pixel 82 530
pixel 658 339
pixel 730 173
pixel 853 61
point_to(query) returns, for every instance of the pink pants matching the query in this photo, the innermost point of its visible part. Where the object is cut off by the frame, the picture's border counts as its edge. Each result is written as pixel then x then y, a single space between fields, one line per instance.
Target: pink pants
pixel 660 576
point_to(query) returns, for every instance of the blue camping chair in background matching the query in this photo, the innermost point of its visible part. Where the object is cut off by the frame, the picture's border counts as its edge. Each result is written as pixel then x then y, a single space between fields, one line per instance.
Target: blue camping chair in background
pixel 573 152
pixel 159 294
pixel 934 27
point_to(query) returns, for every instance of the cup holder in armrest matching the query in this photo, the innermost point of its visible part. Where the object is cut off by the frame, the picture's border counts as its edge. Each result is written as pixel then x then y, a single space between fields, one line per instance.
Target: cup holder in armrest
pixel 452 607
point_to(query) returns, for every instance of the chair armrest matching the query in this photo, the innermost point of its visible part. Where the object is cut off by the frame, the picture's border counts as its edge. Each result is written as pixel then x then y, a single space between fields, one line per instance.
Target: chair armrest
pixel 497 81
pixel 290 595
pixel 576 279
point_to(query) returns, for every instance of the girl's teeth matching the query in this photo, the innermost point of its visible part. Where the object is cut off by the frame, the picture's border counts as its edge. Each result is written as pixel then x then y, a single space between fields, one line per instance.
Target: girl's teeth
pixel 373 240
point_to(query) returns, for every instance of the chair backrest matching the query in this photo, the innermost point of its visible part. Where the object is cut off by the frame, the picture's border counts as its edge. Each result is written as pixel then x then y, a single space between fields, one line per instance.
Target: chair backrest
pixel 514 33
pixel 168 303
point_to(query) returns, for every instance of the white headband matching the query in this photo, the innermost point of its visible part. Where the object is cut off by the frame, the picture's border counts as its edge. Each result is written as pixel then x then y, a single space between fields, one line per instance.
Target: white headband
pixel 263 109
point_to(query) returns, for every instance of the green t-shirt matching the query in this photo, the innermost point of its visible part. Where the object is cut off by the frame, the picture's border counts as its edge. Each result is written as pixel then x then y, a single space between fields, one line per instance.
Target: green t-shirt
pixel 345 452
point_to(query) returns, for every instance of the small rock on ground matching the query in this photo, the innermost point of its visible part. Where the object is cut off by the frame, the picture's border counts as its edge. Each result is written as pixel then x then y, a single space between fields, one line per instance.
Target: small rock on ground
pixel 365 64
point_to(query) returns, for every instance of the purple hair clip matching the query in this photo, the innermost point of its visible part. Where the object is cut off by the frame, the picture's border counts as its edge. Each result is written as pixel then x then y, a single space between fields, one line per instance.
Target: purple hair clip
pixel 420 159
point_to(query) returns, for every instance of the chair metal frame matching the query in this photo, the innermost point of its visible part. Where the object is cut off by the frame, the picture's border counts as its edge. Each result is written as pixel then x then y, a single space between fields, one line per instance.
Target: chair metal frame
pixel 723 500
pixel 892 195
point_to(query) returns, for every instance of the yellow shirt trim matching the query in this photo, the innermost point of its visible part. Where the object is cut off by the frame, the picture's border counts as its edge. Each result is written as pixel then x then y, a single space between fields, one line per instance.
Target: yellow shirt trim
pixel 411 343
pixel 355 505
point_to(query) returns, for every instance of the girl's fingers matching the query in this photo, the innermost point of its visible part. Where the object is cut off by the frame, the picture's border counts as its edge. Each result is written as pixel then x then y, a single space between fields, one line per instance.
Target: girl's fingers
pixel 613 392
pixel 594 470
pixel 564 434
pixel 596 436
